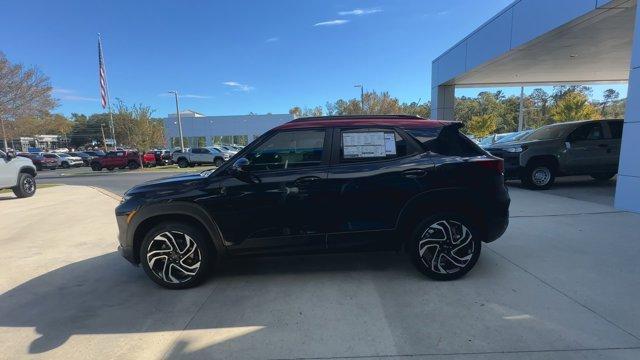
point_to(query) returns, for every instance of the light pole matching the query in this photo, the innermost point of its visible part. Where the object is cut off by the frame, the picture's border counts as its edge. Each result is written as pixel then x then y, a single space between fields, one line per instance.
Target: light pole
pixel 361 96
pixel 179 120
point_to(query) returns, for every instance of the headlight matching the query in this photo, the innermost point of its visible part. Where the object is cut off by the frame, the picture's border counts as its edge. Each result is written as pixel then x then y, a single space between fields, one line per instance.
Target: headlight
pixel 125 198
pixel 514 149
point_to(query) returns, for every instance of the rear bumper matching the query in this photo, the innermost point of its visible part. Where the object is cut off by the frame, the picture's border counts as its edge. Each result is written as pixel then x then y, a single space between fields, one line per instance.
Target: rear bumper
pixel 497 216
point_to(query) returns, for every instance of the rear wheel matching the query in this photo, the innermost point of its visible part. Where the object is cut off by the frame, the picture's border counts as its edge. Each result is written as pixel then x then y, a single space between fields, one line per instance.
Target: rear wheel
pixel 132 165
pixel 183 163
pixel 26 186
pixel 96 167
pixel 176 255
pixel 539 175
pixel 65 165
pixel 445 247
pixel 603 176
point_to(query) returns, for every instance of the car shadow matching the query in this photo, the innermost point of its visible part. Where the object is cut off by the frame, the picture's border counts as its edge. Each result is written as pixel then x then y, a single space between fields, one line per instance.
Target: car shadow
pixel 104 295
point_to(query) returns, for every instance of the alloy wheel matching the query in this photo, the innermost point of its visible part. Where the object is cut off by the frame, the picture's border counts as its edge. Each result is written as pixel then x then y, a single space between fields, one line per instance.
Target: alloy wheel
pixel 174 257
pixel 446 247
pixel 29 185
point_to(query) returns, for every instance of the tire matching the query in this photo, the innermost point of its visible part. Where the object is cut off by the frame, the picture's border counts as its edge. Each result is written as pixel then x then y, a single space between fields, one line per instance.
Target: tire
pixel 539 175
pixel 96 167
pixel 26 186
pixel 218 162
pixel 110 168
pixel 65 165
pixel 132 165
pixel 183 163
pixel 437 253
pixel 188 266
pixel 603 176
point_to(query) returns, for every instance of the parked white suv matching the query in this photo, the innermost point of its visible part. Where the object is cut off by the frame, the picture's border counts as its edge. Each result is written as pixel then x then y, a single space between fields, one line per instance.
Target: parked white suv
pixel 17 174
pixel 66 161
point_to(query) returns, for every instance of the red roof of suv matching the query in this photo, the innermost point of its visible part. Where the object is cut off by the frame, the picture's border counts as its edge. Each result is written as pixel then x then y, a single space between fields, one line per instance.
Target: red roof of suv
pixel 362 120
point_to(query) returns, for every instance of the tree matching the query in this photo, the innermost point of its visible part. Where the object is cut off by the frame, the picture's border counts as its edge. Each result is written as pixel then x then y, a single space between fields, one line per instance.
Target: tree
pixel 135 127
pixel 608 96
pixel 573 106
pixel 23 92
pixel 482 125
pixel 295 111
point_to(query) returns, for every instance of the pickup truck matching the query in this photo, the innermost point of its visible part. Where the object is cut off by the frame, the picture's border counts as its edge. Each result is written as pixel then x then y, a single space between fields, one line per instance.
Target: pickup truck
pixel 117 159
pixel 17 174
pixel 198 156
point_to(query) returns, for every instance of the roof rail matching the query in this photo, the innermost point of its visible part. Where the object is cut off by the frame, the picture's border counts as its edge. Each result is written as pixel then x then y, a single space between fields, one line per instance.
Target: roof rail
pixel 356 117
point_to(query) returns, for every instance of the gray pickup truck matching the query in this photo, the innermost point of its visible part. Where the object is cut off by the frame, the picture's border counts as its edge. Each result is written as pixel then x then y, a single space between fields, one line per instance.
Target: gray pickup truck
pixel 199 156
pixel 589 147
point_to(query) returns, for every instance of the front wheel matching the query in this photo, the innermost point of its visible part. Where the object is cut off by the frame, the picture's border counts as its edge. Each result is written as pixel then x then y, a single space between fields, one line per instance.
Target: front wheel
pixel 96 167
pixel 65 165
pixel 133 165
pixel 218 162
pixel 183 163
pixel 445 247
pixel 26 186
pixel 176 255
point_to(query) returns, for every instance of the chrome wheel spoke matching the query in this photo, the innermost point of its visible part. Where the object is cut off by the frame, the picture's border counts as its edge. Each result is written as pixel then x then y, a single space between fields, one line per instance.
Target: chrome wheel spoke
pixel 446 246
pixel 174 257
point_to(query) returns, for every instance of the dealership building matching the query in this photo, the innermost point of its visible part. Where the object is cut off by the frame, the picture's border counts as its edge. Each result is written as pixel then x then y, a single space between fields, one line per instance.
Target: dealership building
pixel 199 130
pixel 551 42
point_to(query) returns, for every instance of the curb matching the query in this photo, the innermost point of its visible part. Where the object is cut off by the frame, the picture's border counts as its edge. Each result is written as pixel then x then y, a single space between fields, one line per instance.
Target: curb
pixel 107 193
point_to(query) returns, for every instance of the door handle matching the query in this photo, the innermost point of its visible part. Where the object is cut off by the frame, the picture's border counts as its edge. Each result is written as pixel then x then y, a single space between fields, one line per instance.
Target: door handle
pixel 307 180
pixel 414 173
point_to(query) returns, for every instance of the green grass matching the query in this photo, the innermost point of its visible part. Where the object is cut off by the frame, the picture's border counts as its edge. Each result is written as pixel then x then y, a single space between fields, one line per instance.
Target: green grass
pixel 43 186
pixel 175 168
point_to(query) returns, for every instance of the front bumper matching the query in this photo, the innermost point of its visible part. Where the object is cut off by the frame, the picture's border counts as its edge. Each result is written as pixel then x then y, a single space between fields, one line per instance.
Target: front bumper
pixel 512 168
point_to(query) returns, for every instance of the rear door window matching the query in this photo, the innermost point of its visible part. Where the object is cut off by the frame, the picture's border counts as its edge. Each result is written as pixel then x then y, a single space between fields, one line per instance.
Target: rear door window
pixel 370 144
pixel 591 131
pixel 616 129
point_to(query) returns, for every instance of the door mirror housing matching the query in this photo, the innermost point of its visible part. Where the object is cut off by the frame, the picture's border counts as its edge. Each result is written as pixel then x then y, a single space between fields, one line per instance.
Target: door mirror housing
pixel 240 166
pixel 567 145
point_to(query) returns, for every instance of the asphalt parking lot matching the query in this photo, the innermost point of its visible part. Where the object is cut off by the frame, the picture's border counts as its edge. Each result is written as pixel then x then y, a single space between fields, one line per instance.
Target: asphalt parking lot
pixel 562 283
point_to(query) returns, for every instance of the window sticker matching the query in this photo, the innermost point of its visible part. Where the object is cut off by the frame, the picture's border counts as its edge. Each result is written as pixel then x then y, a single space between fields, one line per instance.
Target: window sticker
pixel 368 144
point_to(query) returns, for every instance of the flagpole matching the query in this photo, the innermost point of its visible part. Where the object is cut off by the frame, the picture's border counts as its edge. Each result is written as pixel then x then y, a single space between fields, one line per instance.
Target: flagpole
pixel 111 127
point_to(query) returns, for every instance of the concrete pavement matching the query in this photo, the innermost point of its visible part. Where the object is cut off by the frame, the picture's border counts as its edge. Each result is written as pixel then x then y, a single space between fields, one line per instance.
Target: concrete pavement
pixel 562 283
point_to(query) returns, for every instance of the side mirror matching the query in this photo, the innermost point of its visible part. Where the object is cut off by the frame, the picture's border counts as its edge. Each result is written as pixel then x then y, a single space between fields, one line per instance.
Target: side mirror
pixel 240 165
pixel 567 145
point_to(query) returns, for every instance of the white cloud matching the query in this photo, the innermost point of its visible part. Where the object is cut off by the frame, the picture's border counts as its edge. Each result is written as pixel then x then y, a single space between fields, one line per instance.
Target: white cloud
pixel 70 95
pixel 359 12
pixel 273 39
pixel 331 23
pixel 443 12
pixel 237 86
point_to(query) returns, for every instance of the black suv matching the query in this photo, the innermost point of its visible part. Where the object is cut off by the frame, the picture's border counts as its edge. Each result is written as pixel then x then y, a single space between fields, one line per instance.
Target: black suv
pixel 324 184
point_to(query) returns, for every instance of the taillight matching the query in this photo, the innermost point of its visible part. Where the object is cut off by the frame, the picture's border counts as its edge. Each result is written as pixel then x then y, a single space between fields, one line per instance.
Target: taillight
pixel 493 164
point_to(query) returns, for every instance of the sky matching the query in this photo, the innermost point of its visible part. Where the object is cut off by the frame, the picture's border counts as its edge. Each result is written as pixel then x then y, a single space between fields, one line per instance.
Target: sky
pixel 233 57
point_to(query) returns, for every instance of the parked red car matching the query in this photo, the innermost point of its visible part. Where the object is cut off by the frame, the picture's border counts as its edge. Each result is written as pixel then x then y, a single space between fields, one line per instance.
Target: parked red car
pixel 40 161
pixel 117 159
pixel 149 159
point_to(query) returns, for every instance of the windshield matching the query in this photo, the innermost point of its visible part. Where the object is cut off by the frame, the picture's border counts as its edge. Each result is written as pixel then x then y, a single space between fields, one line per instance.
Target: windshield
pixel 547 133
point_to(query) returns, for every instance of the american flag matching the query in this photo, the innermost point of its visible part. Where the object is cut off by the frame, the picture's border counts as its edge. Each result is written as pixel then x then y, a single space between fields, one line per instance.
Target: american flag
pixel 103 76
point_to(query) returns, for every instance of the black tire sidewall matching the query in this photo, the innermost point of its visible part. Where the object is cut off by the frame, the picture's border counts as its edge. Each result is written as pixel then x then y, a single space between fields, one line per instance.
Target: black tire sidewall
pixel 218 162
pixel 414 252
pixel 182 163
pixel 207 262
pixel 527 178
pixel 19 190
